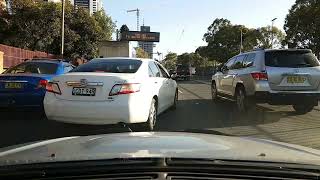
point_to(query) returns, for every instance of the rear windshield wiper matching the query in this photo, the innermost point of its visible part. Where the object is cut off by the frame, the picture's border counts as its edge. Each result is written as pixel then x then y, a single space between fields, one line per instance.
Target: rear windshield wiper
pixel 302 65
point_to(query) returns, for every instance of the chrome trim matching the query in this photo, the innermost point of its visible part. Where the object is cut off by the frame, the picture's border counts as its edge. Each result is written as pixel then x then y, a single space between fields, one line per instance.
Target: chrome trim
pixel 79 84
pixel 95 83
pixel 17 81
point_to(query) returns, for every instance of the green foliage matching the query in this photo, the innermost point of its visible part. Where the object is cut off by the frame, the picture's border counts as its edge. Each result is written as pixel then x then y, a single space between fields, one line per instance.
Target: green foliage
pixel 140 53
pixel 302 25
pixel 37 26
pixel 124 28
pixel 3 21
pixel 193 59
pixel 105 24
pixel 170 60
pixel 224 39
pixel 265 37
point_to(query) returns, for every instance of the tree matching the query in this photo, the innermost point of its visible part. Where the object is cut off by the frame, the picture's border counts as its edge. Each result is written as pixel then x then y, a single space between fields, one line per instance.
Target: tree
pixel 302 25
pixel 266 35
pixel 124 28
pixel 3 22
pixel 28 26
pixel 37 26
pixel 192 59
pixel 140 53
pixel 105 23
pixel 170 60
pixel 214 28
pixel 224 40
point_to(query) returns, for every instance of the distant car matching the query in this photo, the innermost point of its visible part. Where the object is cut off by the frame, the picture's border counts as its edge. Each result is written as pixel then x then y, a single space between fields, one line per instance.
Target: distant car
pixel 172 72
pixel 112 91
pixel 278 77
pixel 24 84
pixel 183 72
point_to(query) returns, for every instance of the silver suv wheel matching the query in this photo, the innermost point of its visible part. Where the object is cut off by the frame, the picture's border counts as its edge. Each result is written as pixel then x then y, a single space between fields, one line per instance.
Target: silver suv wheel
pixel 214 92
pixel 241 100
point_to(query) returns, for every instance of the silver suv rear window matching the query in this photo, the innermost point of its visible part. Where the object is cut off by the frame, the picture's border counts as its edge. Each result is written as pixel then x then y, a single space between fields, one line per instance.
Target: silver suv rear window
pixel 110 66
pixel 291 59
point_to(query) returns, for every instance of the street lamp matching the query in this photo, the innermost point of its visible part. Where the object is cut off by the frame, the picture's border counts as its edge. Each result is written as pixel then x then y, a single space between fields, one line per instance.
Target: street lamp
pixel 272 21
pixel 62 30
pixel 241 39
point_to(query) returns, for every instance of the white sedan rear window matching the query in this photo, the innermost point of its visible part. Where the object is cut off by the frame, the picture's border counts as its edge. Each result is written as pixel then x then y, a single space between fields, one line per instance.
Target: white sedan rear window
pixel 110 66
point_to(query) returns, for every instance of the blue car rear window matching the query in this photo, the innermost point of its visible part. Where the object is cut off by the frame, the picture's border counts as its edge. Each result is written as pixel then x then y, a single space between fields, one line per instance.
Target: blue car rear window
pixel 34 68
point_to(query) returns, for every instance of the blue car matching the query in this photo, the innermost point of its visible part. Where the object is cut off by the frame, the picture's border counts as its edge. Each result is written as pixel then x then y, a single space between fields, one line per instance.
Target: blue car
pixel 24 85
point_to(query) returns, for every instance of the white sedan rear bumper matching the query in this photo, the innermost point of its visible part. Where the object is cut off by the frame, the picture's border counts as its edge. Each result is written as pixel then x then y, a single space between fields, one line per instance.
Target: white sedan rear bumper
pixel 98 112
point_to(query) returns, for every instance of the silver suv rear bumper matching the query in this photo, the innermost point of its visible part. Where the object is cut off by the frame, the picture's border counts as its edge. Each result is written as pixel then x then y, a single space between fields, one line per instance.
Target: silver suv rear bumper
pixel 263 94
pixel 286 98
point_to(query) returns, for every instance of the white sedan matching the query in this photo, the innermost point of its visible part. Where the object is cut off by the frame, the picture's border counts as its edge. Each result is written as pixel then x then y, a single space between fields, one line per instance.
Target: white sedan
pixel 112 91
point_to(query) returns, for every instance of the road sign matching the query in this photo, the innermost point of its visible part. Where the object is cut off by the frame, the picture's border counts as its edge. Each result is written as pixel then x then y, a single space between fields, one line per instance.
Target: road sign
pixel 140 36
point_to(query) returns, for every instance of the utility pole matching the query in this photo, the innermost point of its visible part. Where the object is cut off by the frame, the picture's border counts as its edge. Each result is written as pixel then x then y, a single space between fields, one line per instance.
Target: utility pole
pixel 117 30
pixel 62 30
pixel 272 21
pixel 241 40
pixel 138 16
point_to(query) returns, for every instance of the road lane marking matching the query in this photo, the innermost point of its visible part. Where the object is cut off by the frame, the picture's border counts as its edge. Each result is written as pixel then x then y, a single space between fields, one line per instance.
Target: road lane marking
pixel 180 91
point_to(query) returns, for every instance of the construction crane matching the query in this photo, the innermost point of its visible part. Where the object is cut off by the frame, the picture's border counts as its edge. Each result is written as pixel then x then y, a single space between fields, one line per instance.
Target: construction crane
pixel 138 16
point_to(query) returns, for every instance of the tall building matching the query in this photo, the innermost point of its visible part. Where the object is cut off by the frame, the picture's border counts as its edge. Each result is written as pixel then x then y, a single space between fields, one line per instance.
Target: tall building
pixel 92 5
pixel 146 46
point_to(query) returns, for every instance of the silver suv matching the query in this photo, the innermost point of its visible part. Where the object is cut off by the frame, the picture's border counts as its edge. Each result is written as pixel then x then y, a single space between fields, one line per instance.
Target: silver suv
pixel 277 77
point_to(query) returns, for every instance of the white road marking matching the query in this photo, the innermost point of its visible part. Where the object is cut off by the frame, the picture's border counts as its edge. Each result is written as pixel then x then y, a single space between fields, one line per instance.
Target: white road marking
pixel 180 91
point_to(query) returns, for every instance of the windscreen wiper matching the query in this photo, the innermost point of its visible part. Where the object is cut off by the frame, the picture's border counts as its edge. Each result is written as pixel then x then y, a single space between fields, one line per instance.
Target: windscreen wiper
pixel 204 131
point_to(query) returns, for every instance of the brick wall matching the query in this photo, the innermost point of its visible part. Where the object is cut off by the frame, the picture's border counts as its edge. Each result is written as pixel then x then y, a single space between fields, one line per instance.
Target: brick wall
pixel 13 56
pixel 1 62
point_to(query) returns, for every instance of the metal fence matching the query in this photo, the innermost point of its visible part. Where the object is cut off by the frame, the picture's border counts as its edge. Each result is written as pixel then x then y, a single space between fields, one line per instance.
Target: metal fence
pixel 13 56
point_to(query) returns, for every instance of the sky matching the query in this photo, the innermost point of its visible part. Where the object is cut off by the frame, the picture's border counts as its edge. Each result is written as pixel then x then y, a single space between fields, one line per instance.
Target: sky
pixel 182 23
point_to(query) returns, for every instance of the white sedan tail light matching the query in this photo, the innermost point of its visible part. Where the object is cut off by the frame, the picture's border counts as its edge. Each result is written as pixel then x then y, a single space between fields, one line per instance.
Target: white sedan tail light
pixel 124 89
pixel 53 88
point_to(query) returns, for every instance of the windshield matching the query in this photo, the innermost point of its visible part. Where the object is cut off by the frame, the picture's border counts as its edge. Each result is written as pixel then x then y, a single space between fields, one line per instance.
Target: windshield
pixel 291 59
pixel 34 68
pixel 133 78
pixel 110 66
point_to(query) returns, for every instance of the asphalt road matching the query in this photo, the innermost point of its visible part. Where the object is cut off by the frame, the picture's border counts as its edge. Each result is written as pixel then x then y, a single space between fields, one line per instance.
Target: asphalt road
pixel 195 111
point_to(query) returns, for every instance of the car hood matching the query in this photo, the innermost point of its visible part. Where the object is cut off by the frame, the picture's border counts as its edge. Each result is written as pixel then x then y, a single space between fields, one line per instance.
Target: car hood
pixel 158 145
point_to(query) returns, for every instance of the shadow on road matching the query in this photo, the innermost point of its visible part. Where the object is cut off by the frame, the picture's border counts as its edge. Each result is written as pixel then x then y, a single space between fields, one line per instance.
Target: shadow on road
pixel 27 126
pixel 181 82
pixel 205 114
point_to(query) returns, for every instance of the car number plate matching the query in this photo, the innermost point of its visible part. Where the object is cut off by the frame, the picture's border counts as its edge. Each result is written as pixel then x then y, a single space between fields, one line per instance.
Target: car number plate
pixel 12 85
pixel 84 91
pixel 296 79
